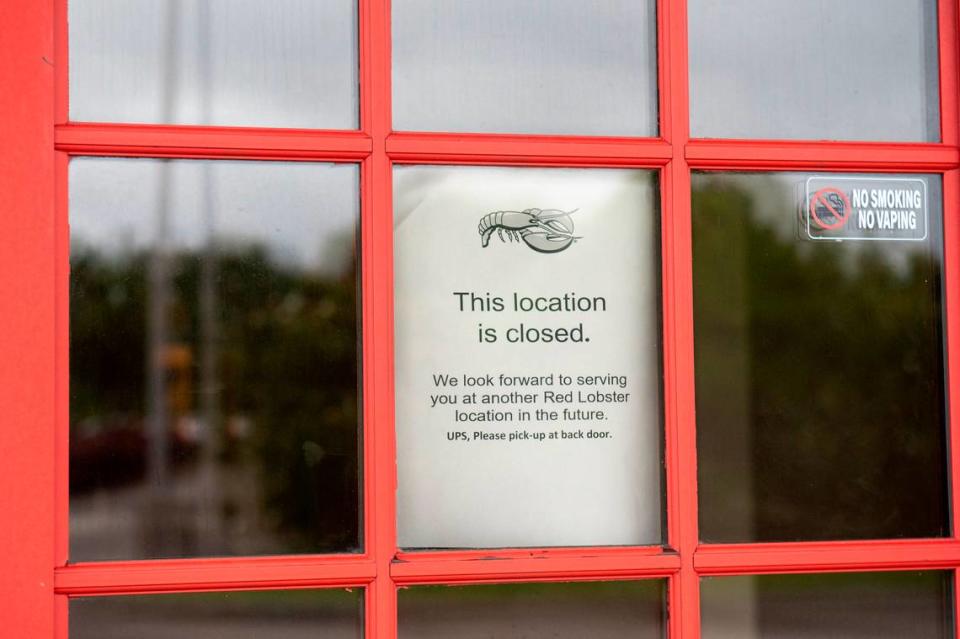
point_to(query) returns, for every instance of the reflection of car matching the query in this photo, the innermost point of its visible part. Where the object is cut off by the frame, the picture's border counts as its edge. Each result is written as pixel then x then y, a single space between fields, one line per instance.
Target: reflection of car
pixel 111 450
pixel 116 453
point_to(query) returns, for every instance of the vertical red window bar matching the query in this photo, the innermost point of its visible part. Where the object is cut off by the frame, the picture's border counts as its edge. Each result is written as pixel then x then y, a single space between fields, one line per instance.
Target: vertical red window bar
pixel 27 318
pixel 684 594
pixel 381 601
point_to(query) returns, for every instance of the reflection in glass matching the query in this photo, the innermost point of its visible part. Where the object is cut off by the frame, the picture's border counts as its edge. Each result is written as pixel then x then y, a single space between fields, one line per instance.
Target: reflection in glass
pixel 853 606
pixel 284 614
pixel 213 358
pixel 525 66
pixel 600 610
pixel 817 69
pixel 283 63
pixel 819 371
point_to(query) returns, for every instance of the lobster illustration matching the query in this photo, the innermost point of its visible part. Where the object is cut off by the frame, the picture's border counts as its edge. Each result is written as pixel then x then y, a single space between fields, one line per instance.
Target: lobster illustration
pixel 543 230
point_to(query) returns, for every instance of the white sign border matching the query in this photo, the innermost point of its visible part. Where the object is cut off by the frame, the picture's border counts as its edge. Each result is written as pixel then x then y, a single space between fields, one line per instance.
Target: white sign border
pixel 926 209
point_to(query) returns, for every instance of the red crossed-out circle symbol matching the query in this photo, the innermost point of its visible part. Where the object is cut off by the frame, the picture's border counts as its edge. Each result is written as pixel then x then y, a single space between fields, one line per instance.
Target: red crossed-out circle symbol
pixel 833 200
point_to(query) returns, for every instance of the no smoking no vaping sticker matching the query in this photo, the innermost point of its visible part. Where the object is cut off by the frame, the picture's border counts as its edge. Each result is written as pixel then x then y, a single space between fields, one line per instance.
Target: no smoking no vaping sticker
pixel 860 208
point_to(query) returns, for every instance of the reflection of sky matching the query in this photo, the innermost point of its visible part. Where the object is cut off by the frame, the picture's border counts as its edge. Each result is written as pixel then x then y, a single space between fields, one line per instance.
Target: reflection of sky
pixel 777 199
pixel 305 214
pixel 814 69
pixel 289 614
pixel 282 63
pixel 526 66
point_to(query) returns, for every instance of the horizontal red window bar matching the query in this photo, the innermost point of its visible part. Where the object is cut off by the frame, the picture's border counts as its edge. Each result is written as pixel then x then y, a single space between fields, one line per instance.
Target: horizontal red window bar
pixel 532 565
pixel 827 557
pixel 193 575
pixel 455 148
pixel 851 156
pixel 211 142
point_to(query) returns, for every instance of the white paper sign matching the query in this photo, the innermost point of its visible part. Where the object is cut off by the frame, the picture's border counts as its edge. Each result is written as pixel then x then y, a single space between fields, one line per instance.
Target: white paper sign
pixel 527 357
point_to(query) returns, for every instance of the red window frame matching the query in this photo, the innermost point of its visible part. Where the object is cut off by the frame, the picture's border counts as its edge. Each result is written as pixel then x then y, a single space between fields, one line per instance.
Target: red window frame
pixel 37 581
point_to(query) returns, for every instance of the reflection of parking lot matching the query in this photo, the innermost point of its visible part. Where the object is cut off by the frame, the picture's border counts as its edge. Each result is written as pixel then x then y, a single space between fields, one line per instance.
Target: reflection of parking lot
pixel 243 615
pixel 596 610
pixel 187 628
pixel 895 615
pixel 866 613
pixel 121 522
pixel 538 622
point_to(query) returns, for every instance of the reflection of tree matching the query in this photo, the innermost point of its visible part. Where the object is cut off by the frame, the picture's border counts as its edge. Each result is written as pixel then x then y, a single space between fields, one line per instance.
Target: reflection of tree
pixel 288 369
pixel 837 372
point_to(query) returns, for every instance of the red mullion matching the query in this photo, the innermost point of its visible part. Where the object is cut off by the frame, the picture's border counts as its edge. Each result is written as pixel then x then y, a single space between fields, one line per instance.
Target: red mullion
pixel 681 419
pixel 366 56
pixel 664 76
pixel 676 397
pixel 381 595
pixel 544 554
pixel 494 577
pixel 774 155
pixel 61 369
pixel 61 616
pixel 846 556
pixel 539 150
pixel 948 66
pixel 206 575
pixel 951 241
pixel 947 12
pixel 61 434
pixel 534 565
pixel 378 390
pixel 176 141
pixel 680 423
pixel 27 320
pixel 512 161
pixel 668 279
pixel 673 97
pixel 368 62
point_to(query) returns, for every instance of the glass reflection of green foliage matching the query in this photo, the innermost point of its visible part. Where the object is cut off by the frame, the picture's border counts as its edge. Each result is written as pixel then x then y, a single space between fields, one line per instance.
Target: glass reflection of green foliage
pixel 832 358
pixel 107 333
pixel 287 361
pixel 300 384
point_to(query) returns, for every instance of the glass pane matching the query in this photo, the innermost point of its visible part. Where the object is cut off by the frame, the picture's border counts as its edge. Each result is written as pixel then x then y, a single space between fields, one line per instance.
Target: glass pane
pixel 526 66
pixel 284 614
pixel 527 357
pixel 599 610
pixel 213 358
pixel 853 606
pixel 283 63
pixel 817 69
pixel 819 360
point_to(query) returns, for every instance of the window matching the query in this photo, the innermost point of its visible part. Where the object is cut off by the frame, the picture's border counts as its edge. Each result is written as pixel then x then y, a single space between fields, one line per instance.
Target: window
pixel 232 276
